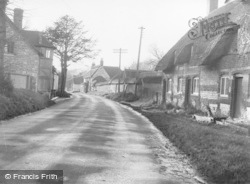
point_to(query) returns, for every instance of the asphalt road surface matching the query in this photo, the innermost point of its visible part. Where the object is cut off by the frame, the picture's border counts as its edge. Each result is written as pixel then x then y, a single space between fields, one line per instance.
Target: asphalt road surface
pixel 94 141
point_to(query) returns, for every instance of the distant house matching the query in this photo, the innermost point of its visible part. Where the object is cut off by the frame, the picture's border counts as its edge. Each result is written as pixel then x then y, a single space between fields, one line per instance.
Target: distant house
pixel 104 79
pixel 77 85
pixel 209 67
pixel 87 79
pixel 28 56
pixel 151 85
pixel 129 80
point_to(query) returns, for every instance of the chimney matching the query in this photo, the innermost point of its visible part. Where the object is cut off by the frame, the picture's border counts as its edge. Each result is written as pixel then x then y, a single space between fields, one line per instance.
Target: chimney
pixel 212 5
pixel 93 65
pixel 18 17
pixel 40 40
pixel 228 1
pixel 101 62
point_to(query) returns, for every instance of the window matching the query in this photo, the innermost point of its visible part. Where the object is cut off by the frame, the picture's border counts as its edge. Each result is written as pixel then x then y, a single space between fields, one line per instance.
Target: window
pixel 224 85
pixel 180 85
pixel 10 48
pixel 169 86
pixel 195 86
pixel 192 51
pixel 45 52
pixel 48 53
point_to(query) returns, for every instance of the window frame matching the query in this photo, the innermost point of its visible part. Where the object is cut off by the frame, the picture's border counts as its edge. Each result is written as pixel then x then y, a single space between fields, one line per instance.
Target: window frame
pixel 10 47
pixel 169 85
pixel 195 85
pixel 180 85
pixel 225 84
pixel 47 53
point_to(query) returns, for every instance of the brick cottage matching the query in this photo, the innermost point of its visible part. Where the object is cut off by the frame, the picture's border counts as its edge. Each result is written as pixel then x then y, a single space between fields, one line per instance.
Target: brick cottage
pixel 210 65
pixel 28 56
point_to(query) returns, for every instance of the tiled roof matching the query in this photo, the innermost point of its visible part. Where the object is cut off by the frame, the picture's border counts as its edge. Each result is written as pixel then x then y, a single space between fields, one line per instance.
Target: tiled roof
pixel 238 10
pixel 99 79
pixel 36 39
pixel 112 71
pixel 131 73
pixel 78 80
pixel 91 72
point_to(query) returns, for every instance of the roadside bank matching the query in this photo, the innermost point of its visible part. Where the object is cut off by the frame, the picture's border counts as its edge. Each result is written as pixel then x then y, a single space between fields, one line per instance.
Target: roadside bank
pixel 219 153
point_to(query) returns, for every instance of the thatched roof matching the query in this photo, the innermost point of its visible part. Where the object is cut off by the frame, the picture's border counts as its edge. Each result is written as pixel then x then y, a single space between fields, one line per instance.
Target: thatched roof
pixel 149 74
pixel 129 75
pixel 204 50
pixel 184 55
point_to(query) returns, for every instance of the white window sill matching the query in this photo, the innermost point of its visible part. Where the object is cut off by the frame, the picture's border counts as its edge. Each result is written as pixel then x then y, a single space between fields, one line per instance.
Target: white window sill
pixel 224 96
pixel 195 94
pixel 8 53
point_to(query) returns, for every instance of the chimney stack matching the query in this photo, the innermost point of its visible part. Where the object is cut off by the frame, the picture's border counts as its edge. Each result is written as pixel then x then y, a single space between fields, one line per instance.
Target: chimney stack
pixel 18 18
pixel 228 1
pixel 212 5
pixel 101 62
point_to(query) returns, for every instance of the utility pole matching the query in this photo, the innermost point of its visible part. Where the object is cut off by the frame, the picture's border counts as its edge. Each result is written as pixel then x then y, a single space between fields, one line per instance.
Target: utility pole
pixel 138 60
pixel 120 52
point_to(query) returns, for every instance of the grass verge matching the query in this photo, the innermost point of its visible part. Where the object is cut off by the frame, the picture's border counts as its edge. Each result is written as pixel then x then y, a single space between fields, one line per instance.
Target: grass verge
pixel 220 154
pixel 22 101
pixel 127 97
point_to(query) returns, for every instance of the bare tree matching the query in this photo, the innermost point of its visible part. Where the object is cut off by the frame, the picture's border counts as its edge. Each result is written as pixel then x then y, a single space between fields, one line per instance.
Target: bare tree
pixel 150 63
pixel 71 43
pixel 156 56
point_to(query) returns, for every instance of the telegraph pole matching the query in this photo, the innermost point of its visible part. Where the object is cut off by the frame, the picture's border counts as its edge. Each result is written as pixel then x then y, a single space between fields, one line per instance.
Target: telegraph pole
pixel 120 52
pixel 138 60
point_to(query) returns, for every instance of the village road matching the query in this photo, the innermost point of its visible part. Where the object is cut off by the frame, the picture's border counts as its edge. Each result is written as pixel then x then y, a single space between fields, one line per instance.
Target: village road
pixel 94 141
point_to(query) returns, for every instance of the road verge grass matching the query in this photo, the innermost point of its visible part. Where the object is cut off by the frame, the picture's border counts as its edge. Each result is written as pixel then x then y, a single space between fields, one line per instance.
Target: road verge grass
pixel 220 154
pixel 22 101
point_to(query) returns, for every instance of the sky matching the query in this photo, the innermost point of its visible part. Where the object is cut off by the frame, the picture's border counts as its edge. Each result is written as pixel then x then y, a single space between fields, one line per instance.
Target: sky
pixel 115 24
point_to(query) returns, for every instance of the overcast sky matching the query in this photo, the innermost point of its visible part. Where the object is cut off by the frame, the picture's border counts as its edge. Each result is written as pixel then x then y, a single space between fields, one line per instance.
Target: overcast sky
pixel 114 23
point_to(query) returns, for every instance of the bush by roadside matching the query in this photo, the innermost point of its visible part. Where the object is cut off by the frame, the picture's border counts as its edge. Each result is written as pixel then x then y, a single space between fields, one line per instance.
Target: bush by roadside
pixel 22 101
pixel 219 153
pixel 62 94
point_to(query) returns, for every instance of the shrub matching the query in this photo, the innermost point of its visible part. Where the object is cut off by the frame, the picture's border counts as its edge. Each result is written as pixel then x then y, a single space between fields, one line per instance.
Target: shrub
pixel 6 87
pixel 22 101
pixel 63 94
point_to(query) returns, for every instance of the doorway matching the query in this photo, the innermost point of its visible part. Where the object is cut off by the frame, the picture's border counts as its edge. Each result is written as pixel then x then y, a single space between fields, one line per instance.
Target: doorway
pixel 187 91
pixel 237 98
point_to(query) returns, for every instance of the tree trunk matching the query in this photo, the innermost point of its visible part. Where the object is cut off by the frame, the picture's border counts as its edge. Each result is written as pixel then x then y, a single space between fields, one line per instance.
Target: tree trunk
pixel 63 79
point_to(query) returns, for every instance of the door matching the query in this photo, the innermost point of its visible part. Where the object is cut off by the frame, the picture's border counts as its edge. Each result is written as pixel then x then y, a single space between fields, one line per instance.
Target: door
pixel 164 90
pixel 187 91
pixel 237 105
